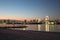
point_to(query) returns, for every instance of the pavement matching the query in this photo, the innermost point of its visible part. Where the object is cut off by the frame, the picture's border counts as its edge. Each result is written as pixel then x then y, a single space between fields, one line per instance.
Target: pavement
pixel 8 34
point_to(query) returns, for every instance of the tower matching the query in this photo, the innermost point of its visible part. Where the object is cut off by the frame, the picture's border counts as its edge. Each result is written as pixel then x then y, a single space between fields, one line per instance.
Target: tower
pixel 47 23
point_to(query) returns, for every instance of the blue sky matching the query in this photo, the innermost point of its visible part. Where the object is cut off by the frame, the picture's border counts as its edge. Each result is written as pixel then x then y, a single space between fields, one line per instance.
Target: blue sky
pixel 30 8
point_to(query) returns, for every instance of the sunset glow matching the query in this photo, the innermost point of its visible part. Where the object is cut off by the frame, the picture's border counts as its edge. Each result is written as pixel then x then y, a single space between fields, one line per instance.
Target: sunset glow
pixel 15 18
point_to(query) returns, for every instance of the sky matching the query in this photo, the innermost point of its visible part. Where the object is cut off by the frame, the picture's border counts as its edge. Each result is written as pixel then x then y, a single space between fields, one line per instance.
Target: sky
pixel 29 8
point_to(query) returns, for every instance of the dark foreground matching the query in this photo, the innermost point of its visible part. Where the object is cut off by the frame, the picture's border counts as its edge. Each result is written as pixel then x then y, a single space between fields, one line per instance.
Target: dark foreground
pixel 7 34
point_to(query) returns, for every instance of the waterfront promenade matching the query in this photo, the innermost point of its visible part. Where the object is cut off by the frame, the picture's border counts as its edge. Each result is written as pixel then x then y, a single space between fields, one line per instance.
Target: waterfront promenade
pixel 7 34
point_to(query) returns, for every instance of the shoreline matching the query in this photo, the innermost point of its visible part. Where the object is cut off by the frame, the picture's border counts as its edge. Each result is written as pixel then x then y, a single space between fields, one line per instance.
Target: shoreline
pixel 7 34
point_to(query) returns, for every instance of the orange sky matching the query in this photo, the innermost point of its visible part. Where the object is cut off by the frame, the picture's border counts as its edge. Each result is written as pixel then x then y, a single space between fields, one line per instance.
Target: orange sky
pixel 15 18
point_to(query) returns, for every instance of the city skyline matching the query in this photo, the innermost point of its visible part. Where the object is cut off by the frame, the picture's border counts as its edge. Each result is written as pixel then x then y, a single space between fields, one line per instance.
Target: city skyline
pixel 26 9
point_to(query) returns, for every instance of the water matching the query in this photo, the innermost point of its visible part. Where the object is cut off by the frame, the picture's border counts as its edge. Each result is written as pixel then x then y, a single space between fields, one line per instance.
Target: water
pixel 52 28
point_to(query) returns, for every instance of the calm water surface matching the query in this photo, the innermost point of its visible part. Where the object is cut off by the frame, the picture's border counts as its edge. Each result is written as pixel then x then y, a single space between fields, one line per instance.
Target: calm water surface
pixel 52 28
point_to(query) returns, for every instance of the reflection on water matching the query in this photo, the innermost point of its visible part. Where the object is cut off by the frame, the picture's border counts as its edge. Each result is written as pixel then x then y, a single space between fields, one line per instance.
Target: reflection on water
pixel 57 28
pixel 52 28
